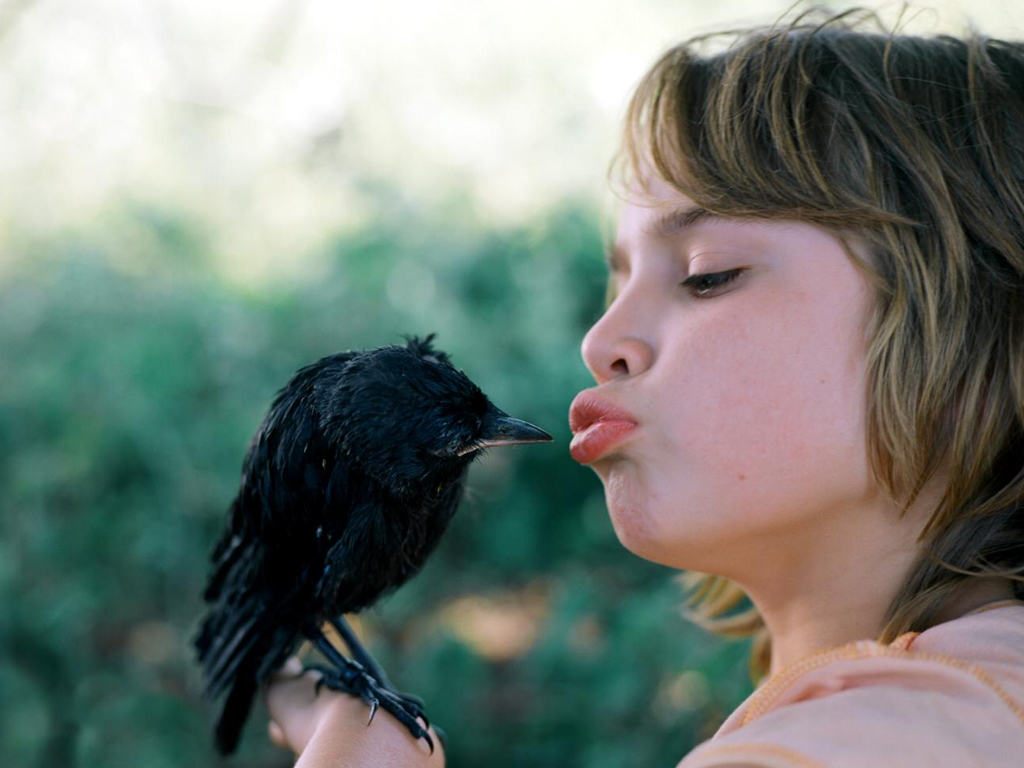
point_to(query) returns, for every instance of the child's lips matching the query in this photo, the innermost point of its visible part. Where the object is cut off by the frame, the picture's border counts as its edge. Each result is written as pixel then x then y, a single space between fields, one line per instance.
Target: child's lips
pixel 597 425
pixel 588 407
pixel 589 444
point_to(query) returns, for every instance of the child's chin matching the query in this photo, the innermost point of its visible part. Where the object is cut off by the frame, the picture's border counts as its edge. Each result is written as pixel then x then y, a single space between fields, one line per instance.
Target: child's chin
pixel 630 515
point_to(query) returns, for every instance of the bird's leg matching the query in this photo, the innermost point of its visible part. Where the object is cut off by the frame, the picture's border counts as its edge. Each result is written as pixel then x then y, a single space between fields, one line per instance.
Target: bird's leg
pixel 414 704
pixel 351 677
pixel 360 654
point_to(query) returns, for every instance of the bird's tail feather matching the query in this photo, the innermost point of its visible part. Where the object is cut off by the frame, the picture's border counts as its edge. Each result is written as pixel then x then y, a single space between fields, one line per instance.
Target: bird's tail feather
pixel 240 648
pixel 228 551
pixel 236 710
pixel 247 670
pixel 234 625
pixel 234 665
pixel 224 660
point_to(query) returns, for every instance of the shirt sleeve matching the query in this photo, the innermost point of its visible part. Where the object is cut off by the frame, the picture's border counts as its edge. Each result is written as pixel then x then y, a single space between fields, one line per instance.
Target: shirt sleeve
pixel 873 727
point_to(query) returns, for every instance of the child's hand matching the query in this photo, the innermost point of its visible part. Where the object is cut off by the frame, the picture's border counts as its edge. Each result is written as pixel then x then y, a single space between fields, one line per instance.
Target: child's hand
pixel 329 728
pixel 295 708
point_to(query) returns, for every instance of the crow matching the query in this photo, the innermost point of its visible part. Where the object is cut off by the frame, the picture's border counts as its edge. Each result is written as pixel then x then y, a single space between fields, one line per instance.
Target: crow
pixel 347 486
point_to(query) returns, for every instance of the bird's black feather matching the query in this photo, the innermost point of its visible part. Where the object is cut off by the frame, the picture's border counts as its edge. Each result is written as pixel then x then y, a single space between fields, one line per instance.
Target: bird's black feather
pixel 347 486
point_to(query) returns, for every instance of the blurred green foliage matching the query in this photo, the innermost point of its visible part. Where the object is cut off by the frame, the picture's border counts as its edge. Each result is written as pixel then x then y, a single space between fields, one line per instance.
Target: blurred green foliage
pixel 130 388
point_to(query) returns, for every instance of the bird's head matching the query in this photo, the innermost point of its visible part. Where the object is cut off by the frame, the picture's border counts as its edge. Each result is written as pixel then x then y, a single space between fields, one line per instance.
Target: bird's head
pixel 412 420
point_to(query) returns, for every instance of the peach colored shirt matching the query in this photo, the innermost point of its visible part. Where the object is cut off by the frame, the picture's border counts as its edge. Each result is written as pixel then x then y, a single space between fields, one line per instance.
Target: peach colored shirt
pixel 951 696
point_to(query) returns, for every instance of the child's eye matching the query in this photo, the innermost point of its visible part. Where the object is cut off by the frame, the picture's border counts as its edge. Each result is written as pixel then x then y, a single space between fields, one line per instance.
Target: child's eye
pixel 701 285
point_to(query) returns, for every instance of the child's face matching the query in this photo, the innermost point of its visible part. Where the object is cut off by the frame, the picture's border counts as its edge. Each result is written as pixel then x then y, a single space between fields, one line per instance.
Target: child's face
pixel 750 402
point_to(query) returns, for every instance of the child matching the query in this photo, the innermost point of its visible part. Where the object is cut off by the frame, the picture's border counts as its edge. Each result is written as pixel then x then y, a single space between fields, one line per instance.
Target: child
pixel 811 378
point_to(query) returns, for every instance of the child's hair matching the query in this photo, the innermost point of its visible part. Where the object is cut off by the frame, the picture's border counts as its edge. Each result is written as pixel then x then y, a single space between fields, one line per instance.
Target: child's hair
pixel 915 144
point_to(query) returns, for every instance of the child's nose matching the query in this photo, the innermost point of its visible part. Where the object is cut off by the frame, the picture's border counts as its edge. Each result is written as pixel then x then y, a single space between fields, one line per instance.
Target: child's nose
pixel 611 351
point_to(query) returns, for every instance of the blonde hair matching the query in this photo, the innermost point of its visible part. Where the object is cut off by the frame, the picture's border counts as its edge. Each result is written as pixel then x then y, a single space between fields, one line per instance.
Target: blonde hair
pixel 916 145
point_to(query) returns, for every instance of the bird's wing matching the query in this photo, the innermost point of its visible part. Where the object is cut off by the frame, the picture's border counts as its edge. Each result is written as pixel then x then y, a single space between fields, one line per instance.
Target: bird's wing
pixel 264 566
pixel 289 461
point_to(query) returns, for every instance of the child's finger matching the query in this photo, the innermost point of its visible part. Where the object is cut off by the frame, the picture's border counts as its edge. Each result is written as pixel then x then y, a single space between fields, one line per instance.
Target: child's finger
pixel 277 735
pixel 293 705
pixel 291 668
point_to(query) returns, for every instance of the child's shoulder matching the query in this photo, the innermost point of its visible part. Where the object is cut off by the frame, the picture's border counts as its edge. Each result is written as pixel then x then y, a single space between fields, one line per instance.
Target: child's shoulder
pixel 952 695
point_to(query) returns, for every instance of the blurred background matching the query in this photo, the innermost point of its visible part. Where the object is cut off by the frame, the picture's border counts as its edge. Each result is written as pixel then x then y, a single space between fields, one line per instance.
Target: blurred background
pixel 198 198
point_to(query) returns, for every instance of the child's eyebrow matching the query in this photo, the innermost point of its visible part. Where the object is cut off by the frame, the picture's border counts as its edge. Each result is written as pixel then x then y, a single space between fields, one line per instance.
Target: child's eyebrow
pixel 675 221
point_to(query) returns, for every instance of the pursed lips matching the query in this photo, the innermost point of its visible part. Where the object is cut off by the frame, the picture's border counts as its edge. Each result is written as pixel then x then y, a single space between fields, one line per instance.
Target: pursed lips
pixel 596 425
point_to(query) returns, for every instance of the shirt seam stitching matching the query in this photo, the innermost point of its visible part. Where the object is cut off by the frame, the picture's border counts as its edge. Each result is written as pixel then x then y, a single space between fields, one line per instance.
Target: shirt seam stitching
pixel 853 651
pixel 799 759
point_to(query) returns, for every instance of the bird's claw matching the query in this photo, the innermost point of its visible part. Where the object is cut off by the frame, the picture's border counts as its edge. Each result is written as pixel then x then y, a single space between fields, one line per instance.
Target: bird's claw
pixel 373 711
pixel 412 706
pixel 355 681
pixel 430 742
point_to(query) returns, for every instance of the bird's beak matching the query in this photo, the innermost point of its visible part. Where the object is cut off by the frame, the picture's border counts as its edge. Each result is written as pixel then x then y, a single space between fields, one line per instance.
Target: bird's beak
pixel 503 429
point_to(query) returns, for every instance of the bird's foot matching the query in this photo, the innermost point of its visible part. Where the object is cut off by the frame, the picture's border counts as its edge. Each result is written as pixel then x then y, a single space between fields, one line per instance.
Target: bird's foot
pixel 362 656
pixel 354 680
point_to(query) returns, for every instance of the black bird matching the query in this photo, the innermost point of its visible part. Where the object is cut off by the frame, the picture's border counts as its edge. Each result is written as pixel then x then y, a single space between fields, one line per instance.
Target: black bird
pixel 347 487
